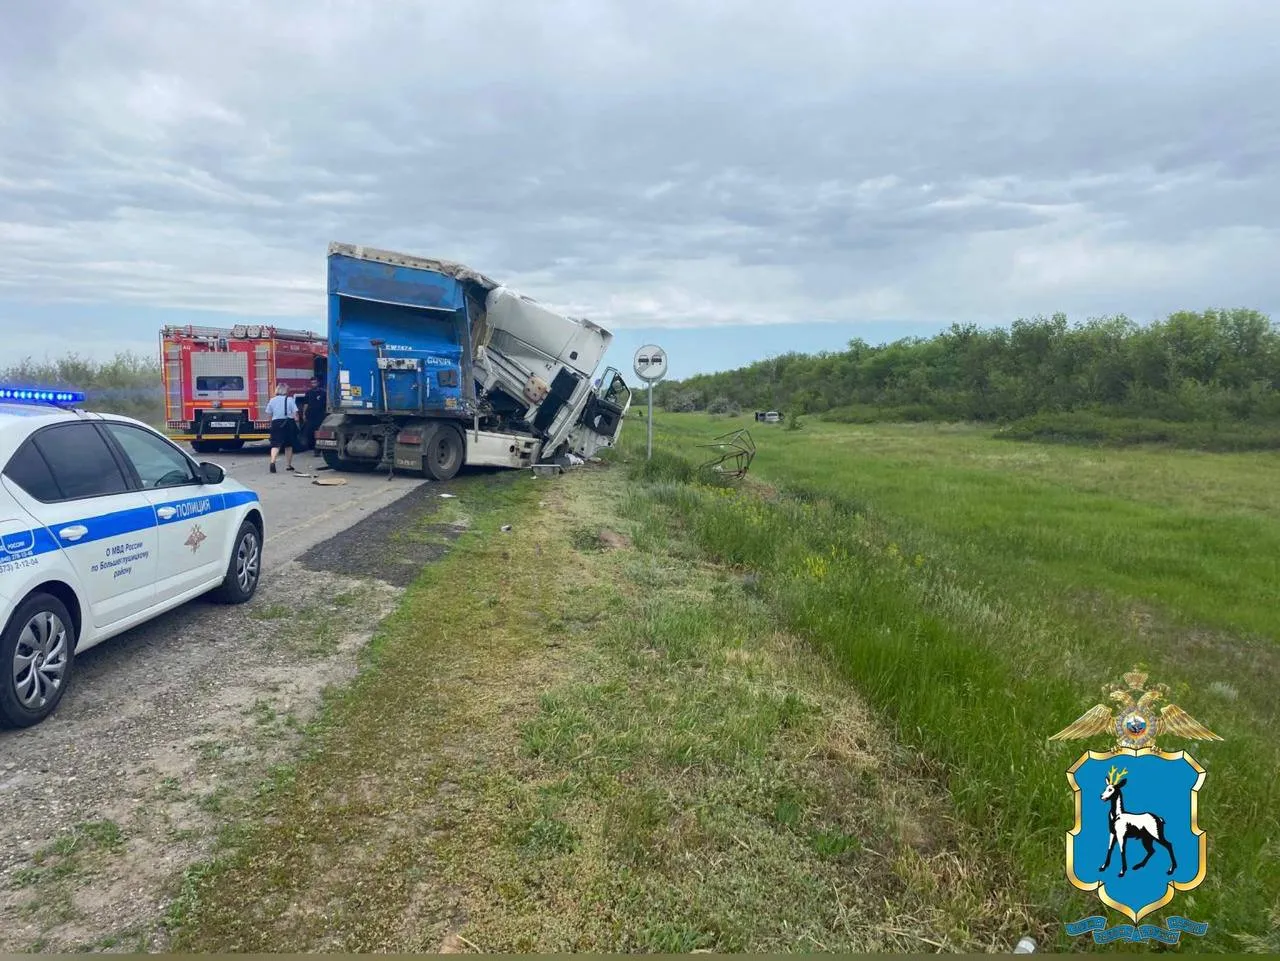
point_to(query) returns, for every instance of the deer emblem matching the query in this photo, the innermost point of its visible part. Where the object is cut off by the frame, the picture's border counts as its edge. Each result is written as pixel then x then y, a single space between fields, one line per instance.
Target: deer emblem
pixel 1123 825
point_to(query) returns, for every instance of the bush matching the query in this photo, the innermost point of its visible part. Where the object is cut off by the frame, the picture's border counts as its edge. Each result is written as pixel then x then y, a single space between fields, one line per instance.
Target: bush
pixel 1086 427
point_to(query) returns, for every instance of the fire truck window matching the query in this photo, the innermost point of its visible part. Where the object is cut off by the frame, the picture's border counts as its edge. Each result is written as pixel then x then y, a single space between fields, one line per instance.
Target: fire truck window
pixel 219 383
pixel 158 464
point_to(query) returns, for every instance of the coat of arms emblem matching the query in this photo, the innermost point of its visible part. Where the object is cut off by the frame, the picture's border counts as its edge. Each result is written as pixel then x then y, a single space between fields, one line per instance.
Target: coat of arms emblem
pixel 1137 839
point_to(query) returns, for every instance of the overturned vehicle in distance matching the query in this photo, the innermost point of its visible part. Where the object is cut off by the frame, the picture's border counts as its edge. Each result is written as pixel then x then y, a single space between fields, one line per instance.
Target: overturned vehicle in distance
pixel 433 366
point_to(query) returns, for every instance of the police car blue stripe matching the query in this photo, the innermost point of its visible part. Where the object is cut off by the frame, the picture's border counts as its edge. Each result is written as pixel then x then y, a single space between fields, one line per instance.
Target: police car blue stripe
pixel 108 525
pixel 190 508
pixel 30 543
pixel 236 498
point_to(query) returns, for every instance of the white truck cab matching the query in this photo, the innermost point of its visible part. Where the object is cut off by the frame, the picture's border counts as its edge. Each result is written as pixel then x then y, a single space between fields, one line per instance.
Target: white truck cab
pixel 104 523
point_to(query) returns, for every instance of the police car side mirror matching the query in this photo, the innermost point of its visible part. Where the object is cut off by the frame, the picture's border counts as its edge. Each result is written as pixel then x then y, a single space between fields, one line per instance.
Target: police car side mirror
pixel 211 473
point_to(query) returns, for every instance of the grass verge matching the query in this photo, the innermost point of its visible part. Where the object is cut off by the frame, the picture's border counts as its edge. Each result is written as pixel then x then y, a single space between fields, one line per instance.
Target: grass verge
pixel 580 736
pixel 974 648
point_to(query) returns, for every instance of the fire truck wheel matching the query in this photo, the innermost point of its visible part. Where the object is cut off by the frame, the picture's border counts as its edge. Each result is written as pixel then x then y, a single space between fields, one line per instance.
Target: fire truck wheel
pixel 442 452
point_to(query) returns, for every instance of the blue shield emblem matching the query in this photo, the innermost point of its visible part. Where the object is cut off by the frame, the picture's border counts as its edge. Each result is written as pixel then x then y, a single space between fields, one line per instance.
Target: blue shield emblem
pixel 1136 840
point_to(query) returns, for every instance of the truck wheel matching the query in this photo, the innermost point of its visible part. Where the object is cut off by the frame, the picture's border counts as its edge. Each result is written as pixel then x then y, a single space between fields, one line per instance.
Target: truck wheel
pixel 37 654
pixel 205 446
pixel 442 453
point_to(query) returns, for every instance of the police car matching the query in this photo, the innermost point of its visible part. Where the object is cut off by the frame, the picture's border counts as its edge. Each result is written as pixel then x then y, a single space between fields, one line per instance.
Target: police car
pixel 104 524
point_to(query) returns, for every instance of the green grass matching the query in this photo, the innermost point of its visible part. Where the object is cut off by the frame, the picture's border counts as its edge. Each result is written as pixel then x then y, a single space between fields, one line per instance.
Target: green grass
pixel 980 593
pixel 563 746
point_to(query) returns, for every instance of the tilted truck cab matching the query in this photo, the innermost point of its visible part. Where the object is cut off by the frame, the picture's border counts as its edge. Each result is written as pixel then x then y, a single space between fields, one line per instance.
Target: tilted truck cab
pixel 432 366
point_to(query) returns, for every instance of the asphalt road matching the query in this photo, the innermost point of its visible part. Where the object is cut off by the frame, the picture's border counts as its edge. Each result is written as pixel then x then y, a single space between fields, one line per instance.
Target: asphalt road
pixel 300 513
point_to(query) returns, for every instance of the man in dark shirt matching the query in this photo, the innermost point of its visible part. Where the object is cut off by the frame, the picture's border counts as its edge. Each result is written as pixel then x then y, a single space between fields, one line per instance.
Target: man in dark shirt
pixel 313 404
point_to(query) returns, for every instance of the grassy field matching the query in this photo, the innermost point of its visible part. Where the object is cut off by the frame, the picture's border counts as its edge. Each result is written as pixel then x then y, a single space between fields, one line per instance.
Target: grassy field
pixel 565 741
pixel 804 712
pixel 979 592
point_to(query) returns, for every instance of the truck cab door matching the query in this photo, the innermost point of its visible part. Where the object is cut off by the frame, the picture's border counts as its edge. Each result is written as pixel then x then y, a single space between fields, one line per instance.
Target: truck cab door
pixel 607 408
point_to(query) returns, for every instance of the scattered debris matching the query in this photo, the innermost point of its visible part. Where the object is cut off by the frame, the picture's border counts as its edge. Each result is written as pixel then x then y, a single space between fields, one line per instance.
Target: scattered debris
pixel 1025 946
pixel 506 527
pixel 448 495
pixel 540 469
pixel 330 481
pixel 738 447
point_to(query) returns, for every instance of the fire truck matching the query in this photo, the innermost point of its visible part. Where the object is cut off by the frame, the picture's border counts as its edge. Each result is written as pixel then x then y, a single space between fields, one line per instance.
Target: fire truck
pixel 217 381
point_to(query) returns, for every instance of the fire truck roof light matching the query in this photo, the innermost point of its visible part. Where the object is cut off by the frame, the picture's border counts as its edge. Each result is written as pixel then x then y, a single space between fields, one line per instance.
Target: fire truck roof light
pixel 40 395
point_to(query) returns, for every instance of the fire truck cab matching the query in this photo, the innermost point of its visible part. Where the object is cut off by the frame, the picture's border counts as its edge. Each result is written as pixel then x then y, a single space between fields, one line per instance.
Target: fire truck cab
pixel 217 381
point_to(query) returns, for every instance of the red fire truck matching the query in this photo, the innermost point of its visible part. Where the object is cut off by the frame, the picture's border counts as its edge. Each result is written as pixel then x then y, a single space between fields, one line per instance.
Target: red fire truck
pixel 217 381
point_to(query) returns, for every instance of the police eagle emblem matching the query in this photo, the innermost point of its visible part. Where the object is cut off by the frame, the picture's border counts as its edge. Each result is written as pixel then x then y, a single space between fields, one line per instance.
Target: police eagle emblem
pixel 195 538
pixel 1135 723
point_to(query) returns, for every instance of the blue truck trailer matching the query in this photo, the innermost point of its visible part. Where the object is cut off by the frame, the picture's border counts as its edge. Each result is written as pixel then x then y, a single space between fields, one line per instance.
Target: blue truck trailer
pixel 433 366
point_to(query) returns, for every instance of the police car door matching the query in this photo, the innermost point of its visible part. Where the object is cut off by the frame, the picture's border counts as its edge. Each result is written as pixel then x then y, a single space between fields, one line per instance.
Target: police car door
pixel 68 479
pixel 191 525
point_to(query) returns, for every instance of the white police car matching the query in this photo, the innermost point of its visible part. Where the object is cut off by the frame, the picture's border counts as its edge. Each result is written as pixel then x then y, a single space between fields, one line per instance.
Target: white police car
pixel 104 524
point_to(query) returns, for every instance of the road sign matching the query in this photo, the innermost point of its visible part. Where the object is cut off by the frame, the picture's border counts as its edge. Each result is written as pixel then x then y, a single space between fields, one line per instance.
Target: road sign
pixel 650 366
pixel 651 363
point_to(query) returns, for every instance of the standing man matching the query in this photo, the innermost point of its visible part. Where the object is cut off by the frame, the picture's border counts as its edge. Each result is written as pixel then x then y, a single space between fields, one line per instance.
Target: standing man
pixel 313 405
pixel 284 427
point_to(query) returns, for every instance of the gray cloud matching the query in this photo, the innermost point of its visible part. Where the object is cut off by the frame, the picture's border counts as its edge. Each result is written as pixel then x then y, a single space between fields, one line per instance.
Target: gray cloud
pixel 679 162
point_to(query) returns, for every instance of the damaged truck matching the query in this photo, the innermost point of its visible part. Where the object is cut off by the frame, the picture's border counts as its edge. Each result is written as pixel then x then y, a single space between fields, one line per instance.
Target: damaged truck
pixel 433 366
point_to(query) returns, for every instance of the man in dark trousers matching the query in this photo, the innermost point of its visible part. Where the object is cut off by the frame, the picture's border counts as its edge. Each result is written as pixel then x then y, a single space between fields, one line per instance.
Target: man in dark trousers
pixel 313 404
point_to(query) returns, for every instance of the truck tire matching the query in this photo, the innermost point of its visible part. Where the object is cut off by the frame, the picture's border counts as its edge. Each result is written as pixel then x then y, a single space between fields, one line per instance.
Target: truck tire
pixel 443 452
pixel 205 446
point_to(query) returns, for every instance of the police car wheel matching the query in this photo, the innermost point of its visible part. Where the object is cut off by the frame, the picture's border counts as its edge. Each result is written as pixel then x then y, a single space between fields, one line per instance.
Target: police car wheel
pixel 244 568
pixel 36 658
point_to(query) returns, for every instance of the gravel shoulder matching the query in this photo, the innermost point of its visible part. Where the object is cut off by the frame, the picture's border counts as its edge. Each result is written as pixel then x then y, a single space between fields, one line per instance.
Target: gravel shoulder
pixel 104 806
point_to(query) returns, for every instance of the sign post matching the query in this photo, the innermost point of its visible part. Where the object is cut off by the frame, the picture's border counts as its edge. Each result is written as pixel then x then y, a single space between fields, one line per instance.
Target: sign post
pixel 650 366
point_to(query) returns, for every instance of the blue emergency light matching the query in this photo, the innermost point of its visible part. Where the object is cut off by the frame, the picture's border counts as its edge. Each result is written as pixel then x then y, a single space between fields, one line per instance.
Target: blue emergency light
pixel 37 395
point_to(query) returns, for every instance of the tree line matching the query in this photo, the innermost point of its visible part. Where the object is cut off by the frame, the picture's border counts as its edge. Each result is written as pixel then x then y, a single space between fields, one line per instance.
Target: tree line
pixel 128 384
pixel 1192 366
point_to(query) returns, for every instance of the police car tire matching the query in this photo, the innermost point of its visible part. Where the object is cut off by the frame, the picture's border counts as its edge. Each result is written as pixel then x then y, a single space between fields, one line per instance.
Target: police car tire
pixel 12 713
pixel 229 591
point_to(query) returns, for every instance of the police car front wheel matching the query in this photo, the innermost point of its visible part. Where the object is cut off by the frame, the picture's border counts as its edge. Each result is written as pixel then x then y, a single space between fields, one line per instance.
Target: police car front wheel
pixel 36 659
pixel 244 568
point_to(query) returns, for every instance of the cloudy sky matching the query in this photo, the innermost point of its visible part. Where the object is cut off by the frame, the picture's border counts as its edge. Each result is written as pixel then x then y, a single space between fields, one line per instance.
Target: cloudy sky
pixel 731 179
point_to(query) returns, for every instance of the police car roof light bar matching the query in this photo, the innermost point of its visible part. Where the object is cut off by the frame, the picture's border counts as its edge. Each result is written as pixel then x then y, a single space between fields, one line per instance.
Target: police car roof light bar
pixel 40 395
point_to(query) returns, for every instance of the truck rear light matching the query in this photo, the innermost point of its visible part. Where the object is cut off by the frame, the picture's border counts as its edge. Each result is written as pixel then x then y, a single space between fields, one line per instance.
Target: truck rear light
pixel 410 435
pixel 178 424
pixel 324 434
